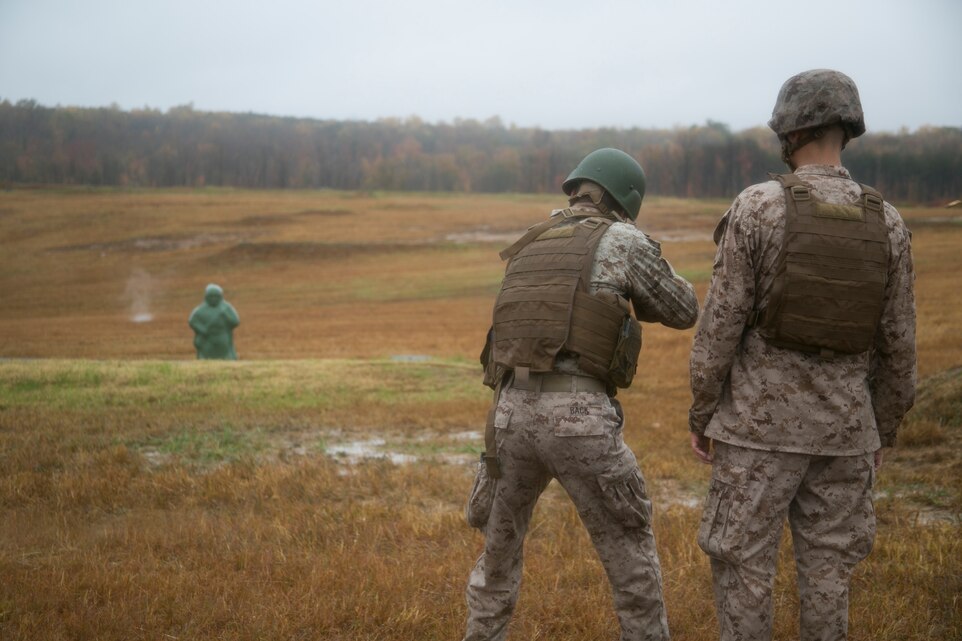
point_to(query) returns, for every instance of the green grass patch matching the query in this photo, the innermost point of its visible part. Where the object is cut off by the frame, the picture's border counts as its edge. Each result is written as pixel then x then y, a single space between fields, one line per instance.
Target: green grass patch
pixel 209 446
pixel 430 448
pixel 939 399
pixel 696 275
pixel 252 385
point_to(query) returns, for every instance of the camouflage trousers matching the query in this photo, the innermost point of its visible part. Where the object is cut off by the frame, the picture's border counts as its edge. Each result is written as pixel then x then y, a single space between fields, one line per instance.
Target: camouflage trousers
pixel 828 502
pixel 575 438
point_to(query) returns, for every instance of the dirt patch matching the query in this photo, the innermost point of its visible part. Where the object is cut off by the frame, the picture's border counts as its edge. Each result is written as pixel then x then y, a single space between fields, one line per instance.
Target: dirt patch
pixel 409 207
pixel 258 220
pixel 351 448
pixel 681 236
pixel 935 221
pixel 670 493
pixel 154 243
pixel 483 235
pixel 924 471
pixel 265 219
pixel 324 212
pixel 309 251
pixel 450 448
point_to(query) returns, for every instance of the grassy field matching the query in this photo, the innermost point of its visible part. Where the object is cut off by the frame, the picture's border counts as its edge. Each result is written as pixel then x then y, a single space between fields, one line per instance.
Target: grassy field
pixel 313 489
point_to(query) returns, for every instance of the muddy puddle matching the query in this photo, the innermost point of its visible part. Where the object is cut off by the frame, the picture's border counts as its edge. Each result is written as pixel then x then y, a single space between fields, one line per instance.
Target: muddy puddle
pixel 459 449
pixel 454 449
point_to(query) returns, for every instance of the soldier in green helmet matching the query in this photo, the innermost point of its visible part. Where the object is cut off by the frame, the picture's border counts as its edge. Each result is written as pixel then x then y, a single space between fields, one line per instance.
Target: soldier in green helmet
pixel 802 368
pixel 565 337
pixel 213 322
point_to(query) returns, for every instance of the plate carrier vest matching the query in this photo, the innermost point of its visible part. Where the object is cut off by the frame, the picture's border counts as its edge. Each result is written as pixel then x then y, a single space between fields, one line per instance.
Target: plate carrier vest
pixel 832 268
pixel 544 305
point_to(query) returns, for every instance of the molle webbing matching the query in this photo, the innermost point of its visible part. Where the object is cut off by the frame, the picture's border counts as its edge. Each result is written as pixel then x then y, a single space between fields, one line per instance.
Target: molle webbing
pixel 544 305
pixel 828 293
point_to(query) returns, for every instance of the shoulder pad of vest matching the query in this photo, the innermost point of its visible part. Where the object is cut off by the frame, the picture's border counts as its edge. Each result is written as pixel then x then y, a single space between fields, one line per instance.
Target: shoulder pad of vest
pixel 789 180
pixel 871 191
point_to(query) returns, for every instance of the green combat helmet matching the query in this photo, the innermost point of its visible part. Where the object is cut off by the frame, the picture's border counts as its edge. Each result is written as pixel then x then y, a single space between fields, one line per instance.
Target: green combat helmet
pixel 815 99
pixel 213 322
pixel 620 175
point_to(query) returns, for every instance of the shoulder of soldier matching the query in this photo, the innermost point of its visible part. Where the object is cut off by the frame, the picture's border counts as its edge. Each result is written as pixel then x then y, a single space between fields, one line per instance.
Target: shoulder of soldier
pixel 894 222
pixel 628 230
pixel 754 203
pixel 623 243
pixel 628 235
pixel 898 230
pixel 759 196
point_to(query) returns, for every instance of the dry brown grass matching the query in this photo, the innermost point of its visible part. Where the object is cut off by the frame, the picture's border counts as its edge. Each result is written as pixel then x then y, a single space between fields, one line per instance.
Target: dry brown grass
pixel 146 498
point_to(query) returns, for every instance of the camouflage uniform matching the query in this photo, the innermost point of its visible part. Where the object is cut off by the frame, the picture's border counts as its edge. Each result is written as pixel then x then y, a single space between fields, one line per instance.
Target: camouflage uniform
pixel 794 434
pixel 576 438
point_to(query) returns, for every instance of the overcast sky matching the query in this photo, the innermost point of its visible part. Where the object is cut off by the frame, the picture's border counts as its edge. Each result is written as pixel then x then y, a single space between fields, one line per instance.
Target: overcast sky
pixel 559 64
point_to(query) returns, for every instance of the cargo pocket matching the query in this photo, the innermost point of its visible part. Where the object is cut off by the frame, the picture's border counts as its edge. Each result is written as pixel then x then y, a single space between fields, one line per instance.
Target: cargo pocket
pixel 584 415
pixel 492 371
pixel 624 362
pixel 580 419
pixel 478 508
pixel 624 493
pixel 502 416
pixel 718 534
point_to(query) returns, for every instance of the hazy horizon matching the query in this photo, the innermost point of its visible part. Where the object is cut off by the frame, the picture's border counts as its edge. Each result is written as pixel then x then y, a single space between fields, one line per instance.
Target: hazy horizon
pixel 452 122
pixel 620 64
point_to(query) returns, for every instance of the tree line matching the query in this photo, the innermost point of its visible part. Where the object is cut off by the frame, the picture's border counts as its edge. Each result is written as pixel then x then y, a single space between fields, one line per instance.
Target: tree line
pixel 183 147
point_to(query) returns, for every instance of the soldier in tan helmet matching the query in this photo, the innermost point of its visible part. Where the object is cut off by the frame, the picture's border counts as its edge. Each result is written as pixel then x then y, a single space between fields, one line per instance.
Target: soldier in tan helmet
pixel 802 368
pixel 565 335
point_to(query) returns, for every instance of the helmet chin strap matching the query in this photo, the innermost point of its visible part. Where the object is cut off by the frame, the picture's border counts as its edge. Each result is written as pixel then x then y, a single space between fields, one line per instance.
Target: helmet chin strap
pixel 599 197
pixel 787 150
pixel 593 192
pixel 806 136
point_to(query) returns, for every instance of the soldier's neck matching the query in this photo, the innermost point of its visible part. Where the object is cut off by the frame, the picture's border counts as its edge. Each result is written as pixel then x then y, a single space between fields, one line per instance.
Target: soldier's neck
pixel 814 154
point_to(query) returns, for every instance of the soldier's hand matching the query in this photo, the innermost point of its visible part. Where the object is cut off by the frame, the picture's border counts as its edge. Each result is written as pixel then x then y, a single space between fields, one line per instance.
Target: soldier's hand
pixel 701 446
pixel 878 459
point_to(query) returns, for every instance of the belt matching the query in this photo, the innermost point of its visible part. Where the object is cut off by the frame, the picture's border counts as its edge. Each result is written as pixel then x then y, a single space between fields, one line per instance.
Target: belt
pixel 559 383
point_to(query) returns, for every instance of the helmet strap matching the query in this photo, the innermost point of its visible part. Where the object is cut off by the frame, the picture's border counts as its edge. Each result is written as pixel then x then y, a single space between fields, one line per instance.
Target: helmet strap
pixel 805 136
pixel 600 205
pixel 592 192
pixel 847 128
pixel 589 191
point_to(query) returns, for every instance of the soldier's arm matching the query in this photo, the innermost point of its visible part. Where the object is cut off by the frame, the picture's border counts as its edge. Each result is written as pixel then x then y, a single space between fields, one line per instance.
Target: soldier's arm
pixel 892 372
pixel 658 294
pixel 730 299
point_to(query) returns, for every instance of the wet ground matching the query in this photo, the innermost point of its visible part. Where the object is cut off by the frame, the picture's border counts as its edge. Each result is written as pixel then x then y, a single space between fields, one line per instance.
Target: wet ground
pixel 460 449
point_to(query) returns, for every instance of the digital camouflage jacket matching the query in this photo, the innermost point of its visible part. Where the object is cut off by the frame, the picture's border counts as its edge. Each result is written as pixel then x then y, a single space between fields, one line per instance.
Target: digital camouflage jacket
pixel 749 393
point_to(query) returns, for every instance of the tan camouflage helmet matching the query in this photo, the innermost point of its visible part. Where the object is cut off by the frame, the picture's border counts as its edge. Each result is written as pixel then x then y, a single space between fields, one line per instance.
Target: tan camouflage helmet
pixel 818 98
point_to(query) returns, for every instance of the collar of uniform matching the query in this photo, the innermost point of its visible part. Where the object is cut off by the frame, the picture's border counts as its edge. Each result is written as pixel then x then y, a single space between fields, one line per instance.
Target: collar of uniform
pixel 591 209
pixel 832 171
pixel 585 206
